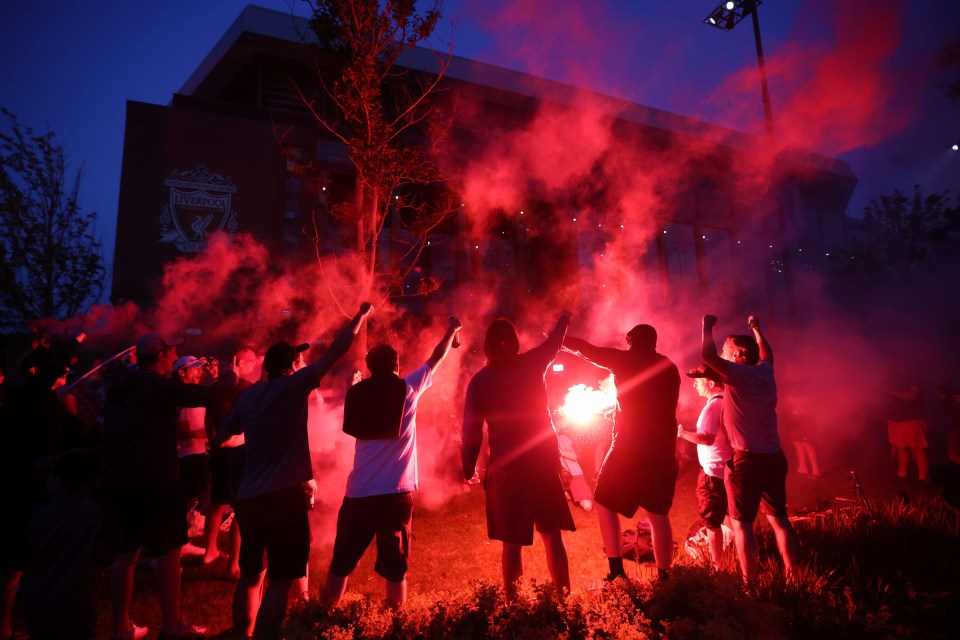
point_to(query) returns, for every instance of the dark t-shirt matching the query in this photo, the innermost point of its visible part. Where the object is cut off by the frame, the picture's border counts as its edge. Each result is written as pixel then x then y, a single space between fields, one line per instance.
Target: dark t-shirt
pixel 512 399
pixel 648 389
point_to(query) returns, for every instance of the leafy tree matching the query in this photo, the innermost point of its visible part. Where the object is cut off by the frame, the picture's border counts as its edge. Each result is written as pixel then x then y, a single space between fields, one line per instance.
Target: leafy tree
pixel 383 114
pixel 899 234
pixel 52 265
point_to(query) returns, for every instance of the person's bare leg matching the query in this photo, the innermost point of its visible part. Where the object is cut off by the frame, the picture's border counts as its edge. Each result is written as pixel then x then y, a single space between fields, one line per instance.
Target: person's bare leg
pixel 511 563
pixel 812 457
pixel 273 607
pixel 557 562
pixel 745 540
pixel 233 561
pixel 246 603
pixel 787 543
pixel 801 457
pixel 661 534
pixel 903 461
pixel 121 590
pixel 301 586
pixel 11 580
pixel 715 541
pixel 920 455
pixel 396 593
pixel 211 530
pixel 610 531
pixel 335 588
pixel 168 574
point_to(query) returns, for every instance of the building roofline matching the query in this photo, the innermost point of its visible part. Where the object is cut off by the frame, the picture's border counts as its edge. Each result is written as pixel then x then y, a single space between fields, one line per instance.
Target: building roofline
pixel 291 28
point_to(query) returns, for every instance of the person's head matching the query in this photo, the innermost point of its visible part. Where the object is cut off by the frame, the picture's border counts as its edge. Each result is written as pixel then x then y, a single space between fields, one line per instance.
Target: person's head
pixel 158 352
pixel 501 341
pixel 283 358
pixel 189 369
pixel 741 349
pixel 706 387
pixel 642 337
pixel 382 359
pixel 74 470
pixel 247 363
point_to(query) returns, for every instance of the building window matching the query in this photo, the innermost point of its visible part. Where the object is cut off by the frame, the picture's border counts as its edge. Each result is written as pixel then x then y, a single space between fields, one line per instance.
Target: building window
pixel 681 251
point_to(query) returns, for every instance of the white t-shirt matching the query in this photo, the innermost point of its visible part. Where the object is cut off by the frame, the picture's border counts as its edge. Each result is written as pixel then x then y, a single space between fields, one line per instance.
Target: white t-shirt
pixel 750 407
pixel 389 465
pixel 192 419
pixel 713 458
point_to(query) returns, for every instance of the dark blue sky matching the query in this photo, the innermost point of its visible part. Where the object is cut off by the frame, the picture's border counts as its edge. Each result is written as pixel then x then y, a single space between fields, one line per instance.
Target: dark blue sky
pixel 71 66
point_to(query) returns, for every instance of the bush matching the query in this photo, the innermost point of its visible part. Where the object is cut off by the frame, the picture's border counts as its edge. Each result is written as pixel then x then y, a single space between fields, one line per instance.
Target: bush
pixel 886 573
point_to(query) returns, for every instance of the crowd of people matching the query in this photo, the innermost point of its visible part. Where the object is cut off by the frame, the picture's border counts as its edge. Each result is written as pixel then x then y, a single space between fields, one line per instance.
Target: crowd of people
pixel 71 511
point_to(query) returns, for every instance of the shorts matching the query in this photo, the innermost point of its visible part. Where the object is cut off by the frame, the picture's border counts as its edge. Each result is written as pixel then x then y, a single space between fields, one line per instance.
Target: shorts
pixel 909 433
pixel 756 481
pixel 220 476
pixel 711 499
pixel 629 481
pixel 519 500
pixel 274 523
pixel 192 470
pixel 387 517
pixel 150 518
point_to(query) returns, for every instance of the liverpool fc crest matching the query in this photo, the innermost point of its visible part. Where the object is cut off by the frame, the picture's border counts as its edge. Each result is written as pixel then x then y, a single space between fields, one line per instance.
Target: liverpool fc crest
pixel 199 204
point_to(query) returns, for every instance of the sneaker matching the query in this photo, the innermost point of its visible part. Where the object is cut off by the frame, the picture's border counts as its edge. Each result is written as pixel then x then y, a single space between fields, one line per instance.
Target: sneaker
pixel 183 631
pixel 135 632
pixel 191 549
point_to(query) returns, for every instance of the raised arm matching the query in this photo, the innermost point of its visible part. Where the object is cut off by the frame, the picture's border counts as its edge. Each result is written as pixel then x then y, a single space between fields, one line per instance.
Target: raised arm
pixel 443 347
pixel 338 348
pixel 766 353
pixel 708 348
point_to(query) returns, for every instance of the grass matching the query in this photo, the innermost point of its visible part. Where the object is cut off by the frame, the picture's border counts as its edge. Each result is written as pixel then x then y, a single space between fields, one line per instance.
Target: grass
pixel 891 573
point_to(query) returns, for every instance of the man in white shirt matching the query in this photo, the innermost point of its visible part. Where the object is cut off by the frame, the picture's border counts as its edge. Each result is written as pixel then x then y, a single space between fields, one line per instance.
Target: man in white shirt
pixel 713 451
pixel 381 412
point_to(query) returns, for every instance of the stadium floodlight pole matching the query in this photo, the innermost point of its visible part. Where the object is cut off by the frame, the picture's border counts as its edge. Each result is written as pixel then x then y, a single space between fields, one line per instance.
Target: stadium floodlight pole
pixel 726 16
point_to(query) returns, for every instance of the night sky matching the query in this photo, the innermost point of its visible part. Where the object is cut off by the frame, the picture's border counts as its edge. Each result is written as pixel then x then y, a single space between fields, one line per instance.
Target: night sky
pixel 856 79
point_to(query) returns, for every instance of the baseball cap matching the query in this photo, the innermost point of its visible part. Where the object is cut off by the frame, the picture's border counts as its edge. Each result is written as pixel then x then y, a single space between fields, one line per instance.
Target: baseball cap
pixel 187 362
pixel 280 357
pixel 150 344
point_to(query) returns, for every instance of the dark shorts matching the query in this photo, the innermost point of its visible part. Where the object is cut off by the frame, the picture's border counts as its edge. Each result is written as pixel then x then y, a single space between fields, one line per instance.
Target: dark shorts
pixel 711 499
pixel 387 517
pixel 150 518
pixel 629 481
pixel 756 481
pixel 275 523
pixel 192 470
pixel 520 499
pixel 220 477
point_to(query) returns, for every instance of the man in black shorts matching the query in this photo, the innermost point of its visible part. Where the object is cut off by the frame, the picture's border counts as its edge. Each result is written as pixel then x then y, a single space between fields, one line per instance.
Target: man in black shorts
pixel 523 485
pixel 277 487
pixel 640 469
pixel 757 472
pixel 140 473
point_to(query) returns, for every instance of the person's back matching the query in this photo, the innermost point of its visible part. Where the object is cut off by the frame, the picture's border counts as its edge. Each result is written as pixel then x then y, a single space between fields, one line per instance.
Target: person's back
pixel 648 389
pixel 389 465
pixel 512 399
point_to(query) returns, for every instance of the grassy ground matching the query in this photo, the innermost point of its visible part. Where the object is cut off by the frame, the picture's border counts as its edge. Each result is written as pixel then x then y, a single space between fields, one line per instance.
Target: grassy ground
pixel 451 550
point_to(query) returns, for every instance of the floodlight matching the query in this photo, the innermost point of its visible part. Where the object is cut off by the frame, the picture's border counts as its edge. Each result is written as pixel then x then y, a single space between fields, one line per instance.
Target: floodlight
pixel 956 146
pixel 729 12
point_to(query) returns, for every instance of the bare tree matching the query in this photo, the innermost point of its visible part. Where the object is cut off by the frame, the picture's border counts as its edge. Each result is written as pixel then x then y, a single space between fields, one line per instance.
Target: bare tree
pixel 384 114
pixel 52 265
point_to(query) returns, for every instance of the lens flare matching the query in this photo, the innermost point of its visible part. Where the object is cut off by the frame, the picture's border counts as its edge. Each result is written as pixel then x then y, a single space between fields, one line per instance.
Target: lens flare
pixel 584 405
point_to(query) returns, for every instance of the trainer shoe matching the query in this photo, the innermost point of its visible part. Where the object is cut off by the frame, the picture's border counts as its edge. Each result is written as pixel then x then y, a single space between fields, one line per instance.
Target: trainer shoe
pixel 183 631
pixel 135 632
